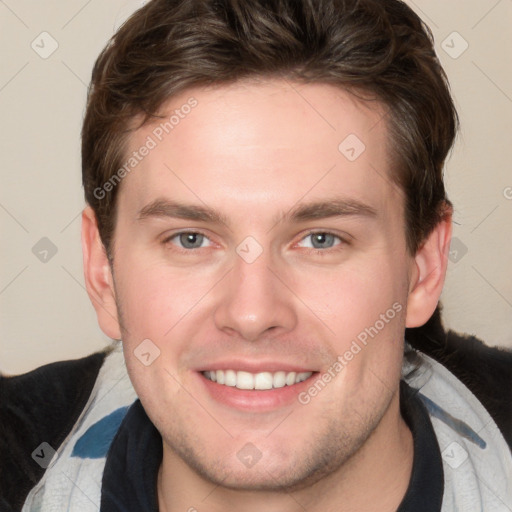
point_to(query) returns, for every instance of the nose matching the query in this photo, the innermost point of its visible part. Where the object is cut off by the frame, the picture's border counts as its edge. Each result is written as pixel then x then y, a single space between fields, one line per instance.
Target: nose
pixel 255 301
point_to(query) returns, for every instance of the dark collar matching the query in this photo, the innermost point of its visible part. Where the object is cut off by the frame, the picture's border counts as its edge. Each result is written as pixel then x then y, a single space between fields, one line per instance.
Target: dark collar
pixel 131 469
pixel 426 486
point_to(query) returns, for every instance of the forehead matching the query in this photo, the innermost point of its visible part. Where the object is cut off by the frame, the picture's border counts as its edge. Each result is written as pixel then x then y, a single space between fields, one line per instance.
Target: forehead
pixel 264 143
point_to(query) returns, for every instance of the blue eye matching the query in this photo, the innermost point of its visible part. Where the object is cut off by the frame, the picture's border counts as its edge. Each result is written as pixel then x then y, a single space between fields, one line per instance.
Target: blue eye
pixel 321 240
pixel 189 240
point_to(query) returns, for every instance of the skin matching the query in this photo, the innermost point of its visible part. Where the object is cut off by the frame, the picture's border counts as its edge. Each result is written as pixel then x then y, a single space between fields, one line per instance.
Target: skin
pixel 253 152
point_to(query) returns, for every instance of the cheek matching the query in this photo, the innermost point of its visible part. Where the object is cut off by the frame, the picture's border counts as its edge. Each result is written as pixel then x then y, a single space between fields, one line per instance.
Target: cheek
pixel 154 298
pixel 363 306
pixel 353 296
pixel 154 304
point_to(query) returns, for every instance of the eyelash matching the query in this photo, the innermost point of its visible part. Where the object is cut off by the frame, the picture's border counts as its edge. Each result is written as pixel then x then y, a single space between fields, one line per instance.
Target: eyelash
pixel 342 241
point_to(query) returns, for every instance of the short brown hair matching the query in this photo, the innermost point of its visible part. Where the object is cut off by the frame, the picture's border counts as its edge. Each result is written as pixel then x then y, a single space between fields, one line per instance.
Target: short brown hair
pixel 378 48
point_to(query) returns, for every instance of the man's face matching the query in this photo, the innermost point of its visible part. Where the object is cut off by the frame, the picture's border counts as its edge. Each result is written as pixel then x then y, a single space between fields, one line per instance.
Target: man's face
pixel 248 240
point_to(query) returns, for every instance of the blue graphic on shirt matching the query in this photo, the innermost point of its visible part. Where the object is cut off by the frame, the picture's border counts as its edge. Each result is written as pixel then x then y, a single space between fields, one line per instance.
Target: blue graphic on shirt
pixel 454 423
pixel 96 440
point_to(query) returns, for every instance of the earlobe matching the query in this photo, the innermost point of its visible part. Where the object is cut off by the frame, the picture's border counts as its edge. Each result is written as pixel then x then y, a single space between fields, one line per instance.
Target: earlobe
pixel 98 276
pixel 431 262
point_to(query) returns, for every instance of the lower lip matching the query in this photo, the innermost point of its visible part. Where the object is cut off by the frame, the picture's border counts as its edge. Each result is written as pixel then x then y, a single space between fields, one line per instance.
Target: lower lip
pixel 256 400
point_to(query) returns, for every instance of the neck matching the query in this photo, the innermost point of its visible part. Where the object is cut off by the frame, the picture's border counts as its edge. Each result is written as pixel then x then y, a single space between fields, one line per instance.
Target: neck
pixel 375 479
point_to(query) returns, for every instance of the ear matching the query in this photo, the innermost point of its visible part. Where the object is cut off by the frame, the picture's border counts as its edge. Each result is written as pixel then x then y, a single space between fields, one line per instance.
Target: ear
pixel 429 272
pixel 98 276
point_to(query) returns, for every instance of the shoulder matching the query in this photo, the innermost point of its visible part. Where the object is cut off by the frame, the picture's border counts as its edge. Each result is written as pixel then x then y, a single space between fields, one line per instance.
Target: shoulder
pixel 36 407
pixel 486 371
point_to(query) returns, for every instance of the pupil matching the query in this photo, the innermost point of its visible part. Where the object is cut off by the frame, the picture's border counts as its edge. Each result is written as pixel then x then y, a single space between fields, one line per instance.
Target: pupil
pixel 322 239
pixel 191 240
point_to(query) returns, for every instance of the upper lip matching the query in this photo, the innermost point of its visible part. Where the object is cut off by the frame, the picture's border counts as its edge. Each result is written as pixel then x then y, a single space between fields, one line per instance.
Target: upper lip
pixel 255 366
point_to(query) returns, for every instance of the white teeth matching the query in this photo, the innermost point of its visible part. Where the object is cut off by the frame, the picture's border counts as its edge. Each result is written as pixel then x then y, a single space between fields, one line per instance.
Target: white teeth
pixel 290 378
pixel 279 380
pixel 230 378
pixel 302 376
pixel 244 380
pixel 260 381
pixel 263 380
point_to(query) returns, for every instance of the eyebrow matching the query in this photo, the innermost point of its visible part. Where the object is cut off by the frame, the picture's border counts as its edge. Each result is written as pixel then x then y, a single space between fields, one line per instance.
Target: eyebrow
pixel 303 212
pixel 329 208
pixel 166 208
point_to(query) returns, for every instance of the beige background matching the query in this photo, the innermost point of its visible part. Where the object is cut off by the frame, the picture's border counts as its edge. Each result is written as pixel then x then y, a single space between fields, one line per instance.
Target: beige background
pixel 45 314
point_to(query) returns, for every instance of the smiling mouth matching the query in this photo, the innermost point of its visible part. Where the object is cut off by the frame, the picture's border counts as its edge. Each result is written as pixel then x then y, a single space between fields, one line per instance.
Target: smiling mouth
pixel 257 381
